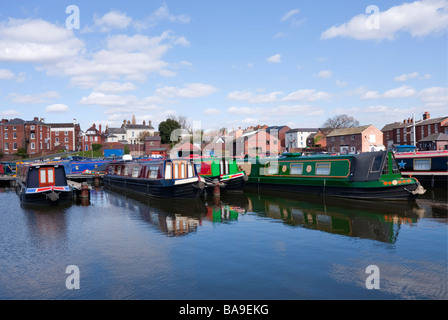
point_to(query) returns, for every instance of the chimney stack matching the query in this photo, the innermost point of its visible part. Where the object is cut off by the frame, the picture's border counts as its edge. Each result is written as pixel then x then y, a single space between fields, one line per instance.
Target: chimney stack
pixel 426 115
pixel 99 128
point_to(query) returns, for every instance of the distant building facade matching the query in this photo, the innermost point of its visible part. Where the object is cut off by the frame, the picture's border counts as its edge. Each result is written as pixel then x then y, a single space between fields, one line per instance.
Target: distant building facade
pixel 355 140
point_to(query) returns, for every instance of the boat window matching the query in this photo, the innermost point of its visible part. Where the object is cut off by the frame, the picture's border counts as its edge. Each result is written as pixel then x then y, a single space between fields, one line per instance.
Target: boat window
pixel 168 172
pixel 126 171
pixel 182 170
pixel 323 168
pixel 153 172
pixel 135 172
pixel 190 170
pixel 422 164
pixel 272 168
pixel 43 176
pixel 119 170
pixel 46 177
pixel 176 171
pixel 296 168
pixel 376 164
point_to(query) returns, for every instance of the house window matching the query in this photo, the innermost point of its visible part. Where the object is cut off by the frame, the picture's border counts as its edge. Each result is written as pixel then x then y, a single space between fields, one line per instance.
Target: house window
pixel 33 145
pixel 332 139
pixel 66 133
pixel 32 127
pixel 6 146
pixel 296 168
pixel 429 129
pixel 66 139
pixel 342 138
pixel 6 135
pixel 323 168
pixel 14 135
pixel 14 128
pixel 14 146
pixel 422 164
pixel 57 139
pixel 32 136
pixel 57 133
pixel 352 137
pixel 422 131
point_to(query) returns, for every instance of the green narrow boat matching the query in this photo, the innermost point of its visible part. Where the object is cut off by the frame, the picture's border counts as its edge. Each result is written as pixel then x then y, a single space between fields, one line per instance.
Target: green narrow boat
pixel 370 175
pixel 223 171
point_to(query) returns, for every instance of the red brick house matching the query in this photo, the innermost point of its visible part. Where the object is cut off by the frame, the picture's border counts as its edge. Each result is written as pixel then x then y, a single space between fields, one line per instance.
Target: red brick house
pixel 154 147
pixel 256 143
pixel 401 133
pixel 92 136
pixel 66 136
pixel 355 140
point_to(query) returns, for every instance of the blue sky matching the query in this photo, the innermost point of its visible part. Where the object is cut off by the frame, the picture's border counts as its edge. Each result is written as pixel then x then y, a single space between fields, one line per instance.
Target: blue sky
pixel 223 63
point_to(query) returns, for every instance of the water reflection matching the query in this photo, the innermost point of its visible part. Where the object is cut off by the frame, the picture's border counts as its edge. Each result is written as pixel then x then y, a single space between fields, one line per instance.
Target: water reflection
pixel 375 220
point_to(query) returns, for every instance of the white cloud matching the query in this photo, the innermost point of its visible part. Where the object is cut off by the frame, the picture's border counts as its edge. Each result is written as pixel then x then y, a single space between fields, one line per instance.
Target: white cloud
pixel 419 18
pixel 340 83
pixel 435 97
pixel 400 92
pixel 36 41
pixel 10 113
pixel 307 95
pixel 254 98
pixel 276 58
pixel 57 108
pixel 325 74
pixel 111 20
pixel 406 77
pixel 211 111
pixel 33 98
pixel 289 15
pixel 115 87
pixel 243 110
pixel 190 90
pixel 6 74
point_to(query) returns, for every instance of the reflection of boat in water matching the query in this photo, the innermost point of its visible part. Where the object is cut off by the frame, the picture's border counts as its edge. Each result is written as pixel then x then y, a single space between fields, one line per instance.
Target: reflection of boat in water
pixel 175 217
pixel 366 219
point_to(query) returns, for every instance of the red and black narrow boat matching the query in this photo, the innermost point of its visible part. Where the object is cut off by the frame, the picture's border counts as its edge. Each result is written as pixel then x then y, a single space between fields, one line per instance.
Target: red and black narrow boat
pixel 156 178
pixel 42 183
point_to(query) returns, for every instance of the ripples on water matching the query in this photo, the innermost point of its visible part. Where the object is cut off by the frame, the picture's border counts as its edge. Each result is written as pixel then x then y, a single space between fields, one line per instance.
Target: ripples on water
pixel 248 246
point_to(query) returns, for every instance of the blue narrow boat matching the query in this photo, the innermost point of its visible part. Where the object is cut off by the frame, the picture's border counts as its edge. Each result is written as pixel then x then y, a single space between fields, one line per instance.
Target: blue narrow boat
pixel 156 178
pixel 42 183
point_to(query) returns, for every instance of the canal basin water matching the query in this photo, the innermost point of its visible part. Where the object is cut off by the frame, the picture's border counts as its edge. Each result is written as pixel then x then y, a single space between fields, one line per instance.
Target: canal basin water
pixel 247 246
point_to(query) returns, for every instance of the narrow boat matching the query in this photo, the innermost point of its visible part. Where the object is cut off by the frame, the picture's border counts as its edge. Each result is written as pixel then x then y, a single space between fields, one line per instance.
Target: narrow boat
pixel 42 183
pixel 156 178
pixel 370 175
pixel 222 171
pixel 429 167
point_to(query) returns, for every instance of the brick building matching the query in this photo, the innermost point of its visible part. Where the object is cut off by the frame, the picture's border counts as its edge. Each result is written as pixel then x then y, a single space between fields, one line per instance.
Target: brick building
pixel 66 136
pixel 92 136
pixel 355 140
pixel 402 133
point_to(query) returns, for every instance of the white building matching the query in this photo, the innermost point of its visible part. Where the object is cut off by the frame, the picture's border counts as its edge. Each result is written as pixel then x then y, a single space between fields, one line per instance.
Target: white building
pixel 296 138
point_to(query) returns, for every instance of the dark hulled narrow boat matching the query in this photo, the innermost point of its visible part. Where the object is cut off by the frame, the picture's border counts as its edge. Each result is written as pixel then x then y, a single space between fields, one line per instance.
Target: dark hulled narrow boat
pixel 429 167
pixel 370 175
pixel 42 183
pixel 156 178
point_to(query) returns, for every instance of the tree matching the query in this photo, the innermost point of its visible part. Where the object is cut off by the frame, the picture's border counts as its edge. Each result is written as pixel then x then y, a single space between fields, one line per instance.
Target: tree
pixel 340 121
pixel 166 128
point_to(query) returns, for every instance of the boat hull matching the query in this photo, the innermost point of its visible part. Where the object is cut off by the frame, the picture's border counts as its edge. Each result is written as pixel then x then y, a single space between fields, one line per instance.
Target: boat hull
pixel 55 196
pixel 233 185
pixel 156 188
pixel 408 192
